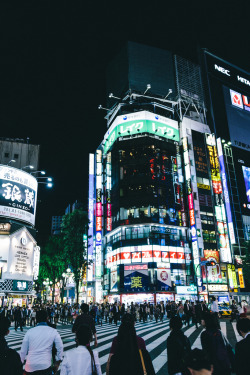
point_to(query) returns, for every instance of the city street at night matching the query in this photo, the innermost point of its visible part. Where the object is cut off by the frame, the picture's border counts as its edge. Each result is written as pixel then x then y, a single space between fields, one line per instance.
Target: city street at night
pixel 154 334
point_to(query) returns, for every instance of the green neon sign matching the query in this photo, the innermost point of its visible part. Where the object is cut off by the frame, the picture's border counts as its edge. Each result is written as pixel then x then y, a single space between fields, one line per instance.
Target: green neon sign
pixel 138 127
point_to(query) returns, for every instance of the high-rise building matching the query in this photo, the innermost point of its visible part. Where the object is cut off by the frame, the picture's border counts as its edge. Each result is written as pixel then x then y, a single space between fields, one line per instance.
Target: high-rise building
pixel 159 226
pixel 19 153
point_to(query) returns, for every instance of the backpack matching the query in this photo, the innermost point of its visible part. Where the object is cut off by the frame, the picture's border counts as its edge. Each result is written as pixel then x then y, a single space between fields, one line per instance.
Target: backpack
pixel 221 352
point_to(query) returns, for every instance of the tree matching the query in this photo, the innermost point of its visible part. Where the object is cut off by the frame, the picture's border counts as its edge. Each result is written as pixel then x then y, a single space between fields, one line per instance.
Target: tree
pixel 74 226
pixel 53 262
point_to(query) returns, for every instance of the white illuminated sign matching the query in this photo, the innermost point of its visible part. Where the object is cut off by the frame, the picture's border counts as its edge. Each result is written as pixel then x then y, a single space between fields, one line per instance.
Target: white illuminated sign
pixel 18 194
pixel 222 70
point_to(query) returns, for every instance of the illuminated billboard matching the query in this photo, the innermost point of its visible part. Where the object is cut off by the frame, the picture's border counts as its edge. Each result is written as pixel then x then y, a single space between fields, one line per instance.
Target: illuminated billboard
pixel 246 174
pixel 193 230
pixel 238 117
pixel 98 215
pixel 138 123
pixel 220 213
pixel 226 192
pixel 18 194
pixel 91 217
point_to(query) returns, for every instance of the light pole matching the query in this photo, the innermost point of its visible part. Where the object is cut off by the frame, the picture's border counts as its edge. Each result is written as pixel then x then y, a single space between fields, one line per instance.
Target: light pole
pixel 65 279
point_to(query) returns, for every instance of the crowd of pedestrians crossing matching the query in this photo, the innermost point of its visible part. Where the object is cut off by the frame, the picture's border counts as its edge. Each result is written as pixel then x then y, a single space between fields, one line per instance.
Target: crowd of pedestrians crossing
pixel 42 348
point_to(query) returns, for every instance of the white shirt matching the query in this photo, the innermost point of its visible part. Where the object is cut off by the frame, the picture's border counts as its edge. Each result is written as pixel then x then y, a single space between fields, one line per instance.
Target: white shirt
pixel 214 307
pixel 78 362
pixel 37 345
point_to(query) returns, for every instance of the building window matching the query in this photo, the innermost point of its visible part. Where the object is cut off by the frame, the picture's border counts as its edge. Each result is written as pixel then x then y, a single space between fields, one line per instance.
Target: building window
pixel 15 156
pixel 6 155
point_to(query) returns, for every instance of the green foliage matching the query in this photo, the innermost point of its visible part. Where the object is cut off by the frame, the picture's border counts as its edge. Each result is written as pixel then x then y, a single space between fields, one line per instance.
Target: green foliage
pixel 74 226
pixel 52 263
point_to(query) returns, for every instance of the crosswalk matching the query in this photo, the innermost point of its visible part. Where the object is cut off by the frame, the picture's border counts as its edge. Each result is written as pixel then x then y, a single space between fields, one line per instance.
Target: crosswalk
pixel 154 334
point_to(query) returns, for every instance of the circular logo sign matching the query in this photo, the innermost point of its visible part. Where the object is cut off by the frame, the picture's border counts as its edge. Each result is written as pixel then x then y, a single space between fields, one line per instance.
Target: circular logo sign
pixel 98 236
pixel 23 241
pixel 164 275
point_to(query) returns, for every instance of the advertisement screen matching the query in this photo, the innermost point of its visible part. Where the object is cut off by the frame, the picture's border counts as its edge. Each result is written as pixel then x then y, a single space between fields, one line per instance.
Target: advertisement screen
pixel 238 116
pixel 18 194
pixel 141 122
pixel 246 174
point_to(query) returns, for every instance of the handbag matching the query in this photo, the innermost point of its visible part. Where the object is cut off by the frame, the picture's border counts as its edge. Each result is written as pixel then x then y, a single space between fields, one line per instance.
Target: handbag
pixel 93 365
pixel 142 362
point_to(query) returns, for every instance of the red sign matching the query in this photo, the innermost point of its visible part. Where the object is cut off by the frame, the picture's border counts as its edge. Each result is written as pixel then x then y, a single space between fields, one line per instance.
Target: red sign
pixel 190 201
pixel 173 256
pixel 109 224
pixel 192 219
pixel 157 254
pixel 165 256
pixel 125 256
pixel 98 223
pixel 146 255
pixel 136 257
pixel 99 209
pixel 109 209
pixel 184 219
pixel 217 188
pixel 212 255
pixel 136 267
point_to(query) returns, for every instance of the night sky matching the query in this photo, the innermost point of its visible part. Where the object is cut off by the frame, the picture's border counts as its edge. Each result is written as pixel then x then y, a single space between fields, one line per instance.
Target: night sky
pixel 52 72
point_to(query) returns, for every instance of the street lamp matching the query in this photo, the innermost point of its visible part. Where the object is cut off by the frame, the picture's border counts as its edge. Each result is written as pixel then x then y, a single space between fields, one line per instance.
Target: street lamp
pixel 11 161
pixel 42 172
pixel 28 166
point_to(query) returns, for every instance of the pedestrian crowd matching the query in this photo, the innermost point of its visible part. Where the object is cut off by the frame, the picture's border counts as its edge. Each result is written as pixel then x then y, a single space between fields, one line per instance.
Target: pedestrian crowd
pixel 42 347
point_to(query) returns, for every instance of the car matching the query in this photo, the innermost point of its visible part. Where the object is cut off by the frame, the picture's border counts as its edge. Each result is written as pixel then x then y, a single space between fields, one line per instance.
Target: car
pixel 224 309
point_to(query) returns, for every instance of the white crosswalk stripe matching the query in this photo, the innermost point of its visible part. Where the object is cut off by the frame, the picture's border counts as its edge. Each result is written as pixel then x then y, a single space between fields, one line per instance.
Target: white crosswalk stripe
pixel 154 334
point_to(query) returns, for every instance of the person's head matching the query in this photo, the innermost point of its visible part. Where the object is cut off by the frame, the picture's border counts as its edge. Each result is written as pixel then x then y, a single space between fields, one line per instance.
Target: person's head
pixel 83 335
pixel 213 298
pixel 210 321
pixel 243 326
pixel 175 323
pixel 4 326
pixel 84 308
pixel 41 316
pixel 128 319
pixel 198 363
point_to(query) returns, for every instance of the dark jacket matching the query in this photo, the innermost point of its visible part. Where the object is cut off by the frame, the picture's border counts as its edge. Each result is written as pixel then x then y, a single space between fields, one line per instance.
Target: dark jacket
pixel 9 359
pixel 115 366
pixel 17 315
pixel 178 347
pixel 220 352
pixel 84 319
pixel 242 356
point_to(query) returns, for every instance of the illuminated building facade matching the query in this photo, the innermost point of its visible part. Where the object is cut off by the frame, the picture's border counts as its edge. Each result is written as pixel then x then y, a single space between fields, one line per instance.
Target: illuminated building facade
pixel 162 204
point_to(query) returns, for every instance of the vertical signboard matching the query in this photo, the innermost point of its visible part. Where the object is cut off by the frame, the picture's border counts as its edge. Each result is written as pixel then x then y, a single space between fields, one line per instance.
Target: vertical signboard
pixel 241 278
pixel 108 193
pixel 220 214
pixel 91 216
pixel 226 193
pixel 195 248
pixel 98 216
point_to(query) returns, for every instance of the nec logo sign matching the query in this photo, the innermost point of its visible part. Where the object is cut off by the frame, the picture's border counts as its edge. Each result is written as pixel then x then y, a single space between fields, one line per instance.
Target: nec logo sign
pixel 222 70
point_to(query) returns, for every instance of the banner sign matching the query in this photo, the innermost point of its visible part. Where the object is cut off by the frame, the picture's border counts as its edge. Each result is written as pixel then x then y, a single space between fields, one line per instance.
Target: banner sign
pixel 18 194
pixel 136 281
pixel 138 123
pixel 164 279
pixel 226 193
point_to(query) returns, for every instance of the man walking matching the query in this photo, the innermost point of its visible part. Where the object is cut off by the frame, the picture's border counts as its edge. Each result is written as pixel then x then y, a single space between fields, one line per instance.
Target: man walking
pixel 85 319
pixel 187 312
pixel 9 359
pixel 18 317
pixel 242 348
pixel 162 313
pixel 37 346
